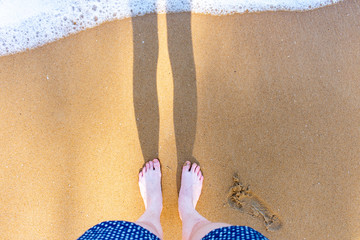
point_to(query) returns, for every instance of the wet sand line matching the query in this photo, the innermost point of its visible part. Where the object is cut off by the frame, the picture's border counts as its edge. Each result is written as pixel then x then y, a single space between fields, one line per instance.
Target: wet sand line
pixel 277 98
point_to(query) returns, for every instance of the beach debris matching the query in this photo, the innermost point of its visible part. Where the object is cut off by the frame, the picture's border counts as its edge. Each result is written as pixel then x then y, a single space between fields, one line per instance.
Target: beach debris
pixel 242 198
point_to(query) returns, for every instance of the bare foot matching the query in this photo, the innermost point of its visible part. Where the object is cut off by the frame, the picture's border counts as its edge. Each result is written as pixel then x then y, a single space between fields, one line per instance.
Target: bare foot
pixel 191 184
pixel 150 186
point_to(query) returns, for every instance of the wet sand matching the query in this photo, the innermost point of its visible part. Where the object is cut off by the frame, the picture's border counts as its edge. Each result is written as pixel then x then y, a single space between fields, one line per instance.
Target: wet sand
pixel 272 97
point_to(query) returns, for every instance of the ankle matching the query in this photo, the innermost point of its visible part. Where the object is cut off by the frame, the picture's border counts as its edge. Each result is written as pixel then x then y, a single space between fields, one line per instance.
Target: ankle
pixel 155 203
pixel 154 211
pixel 189 213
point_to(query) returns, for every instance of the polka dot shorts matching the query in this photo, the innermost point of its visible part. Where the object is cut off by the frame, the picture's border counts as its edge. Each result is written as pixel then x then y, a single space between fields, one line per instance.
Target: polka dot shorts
pixel 234 233
pixel 116 230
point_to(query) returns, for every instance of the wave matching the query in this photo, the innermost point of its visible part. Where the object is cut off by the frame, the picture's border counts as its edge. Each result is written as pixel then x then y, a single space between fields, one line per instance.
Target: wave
pixel 26 24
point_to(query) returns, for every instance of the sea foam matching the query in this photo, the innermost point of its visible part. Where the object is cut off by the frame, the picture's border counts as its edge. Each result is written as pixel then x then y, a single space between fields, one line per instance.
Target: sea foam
pixel 26 24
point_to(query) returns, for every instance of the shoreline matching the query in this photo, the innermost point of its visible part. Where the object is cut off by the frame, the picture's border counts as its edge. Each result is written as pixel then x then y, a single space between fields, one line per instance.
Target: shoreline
pixel 276 101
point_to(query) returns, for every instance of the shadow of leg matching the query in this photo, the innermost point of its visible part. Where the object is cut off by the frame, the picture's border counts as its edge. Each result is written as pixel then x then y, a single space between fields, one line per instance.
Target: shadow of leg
pixel 185 91
pixel 145 38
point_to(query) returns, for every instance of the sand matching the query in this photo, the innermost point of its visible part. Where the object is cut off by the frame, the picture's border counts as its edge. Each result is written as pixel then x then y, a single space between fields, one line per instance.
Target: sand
pixel 273 97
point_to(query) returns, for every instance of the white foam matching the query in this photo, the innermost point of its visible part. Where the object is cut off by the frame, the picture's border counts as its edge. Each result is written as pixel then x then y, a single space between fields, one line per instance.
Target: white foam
pixel 26 24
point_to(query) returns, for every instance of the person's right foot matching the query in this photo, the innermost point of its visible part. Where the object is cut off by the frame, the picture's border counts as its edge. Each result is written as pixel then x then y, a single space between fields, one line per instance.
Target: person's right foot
pixel 150 186
pixel 190 190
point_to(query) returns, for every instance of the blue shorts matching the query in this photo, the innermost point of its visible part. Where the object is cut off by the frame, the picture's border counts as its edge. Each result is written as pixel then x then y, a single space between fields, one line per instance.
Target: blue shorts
pixel 234 233
pixel 116 230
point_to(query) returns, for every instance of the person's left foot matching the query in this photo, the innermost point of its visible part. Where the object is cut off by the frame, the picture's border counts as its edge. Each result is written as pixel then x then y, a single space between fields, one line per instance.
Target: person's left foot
pixel 150 186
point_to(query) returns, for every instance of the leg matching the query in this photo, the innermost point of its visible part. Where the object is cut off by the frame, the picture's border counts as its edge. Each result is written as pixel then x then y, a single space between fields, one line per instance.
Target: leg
pixel 150 189
pixel 194 226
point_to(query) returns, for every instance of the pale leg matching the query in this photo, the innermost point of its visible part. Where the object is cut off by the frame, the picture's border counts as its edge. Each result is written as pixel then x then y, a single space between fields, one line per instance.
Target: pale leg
pixel 150 189
pixel 194 226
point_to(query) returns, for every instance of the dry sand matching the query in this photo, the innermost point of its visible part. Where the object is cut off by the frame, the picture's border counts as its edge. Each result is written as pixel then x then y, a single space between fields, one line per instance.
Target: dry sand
pixel 273 96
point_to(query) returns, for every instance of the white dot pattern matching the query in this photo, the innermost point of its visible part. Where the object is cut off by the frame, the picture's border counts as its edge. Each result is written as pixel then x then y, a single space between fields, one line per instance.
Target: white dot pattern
pixel 116 230
pixel 234 233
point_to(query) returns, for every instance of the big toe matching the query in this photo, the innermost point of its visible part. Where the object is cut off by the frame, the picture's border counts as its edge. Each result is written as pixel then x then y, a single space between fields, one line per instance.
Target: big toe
pixel 187 165
pixel 151 165
pixel 156 164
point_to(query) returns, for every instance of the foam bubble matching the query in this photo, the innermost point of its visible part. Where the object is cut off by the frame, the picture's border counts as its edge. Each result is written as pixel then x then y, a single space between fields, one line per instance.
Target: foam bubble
pixel 26 24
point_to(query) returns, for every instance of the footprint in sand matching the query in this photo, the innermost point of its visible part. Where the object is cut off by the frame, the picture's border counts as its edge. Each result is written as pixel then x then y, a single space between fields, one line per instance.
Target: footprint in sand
pixel 240 197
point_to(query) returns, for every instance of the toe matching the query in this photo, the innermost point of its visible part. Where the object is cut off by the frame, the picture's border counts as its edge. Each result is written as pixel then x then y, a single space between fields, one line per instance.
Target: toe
pixel 193 167
pixel 187 166
pixel 197 170
pixel 140 174
pixel 151 165
pixel 156 164
pixel 147 166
